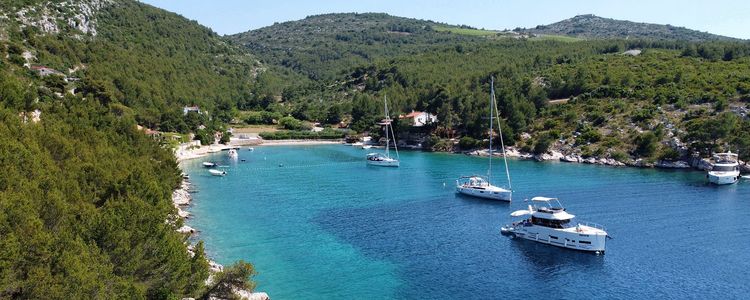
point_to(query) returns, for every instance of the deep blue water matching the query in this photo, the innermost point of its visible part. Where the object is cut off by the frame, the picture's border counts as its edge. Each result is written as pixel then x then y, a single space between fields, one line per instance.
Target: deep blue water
pixel 320 224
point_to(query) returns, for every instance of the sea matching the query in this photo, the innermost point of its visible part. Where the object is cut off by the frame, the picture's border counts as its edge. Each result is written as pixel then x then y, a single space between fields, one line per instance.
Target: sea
pixel 318 223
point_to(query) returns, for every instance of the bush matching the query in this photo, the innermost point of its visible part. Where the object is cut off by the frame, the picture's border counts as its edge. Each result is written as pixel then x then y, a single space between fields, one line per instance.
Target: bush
pixel 620 156
pixel 290 123
pixel 326 134
pixel 646 144
pixel 467 143
pixel 542 145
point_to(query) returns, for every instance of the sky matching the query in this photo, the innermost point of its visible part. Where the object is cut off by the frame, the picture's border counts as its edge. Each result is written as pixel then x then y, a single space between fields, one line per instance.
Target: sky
pixel 724 17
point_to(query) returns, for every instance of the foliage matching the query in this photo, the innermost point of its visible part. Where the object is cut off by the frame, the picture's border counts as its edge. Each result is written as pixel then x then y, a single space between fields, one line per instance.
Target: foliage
pixel 236 277
pixel 646 144
pixel 326 134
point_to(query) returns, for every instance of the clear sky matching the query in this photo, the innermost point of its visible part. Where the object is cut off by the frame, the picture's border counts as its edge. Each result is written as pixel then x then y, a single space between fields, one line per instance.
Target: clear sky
pixel 724 17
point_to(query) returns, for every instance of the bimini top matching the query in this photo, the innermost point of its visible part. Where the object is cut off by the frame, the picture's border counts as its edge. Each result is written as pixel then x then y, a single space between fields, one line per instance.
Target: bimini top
pixel 543 199
pixel 555 214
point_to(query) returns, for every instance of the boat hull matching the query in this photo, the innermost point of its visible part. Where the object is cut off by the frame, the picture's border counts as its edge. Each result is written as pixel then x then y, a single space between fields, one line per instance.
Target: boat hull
pixel 383 163
pixel 492 194
pixel 723 177
pixel 589 242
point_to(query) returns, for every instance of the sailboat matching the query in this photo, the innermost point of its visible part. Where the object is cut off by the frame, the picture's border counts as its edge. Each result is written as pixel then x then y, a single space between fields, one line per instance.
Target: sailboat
pixel 481 186
pixel 385 159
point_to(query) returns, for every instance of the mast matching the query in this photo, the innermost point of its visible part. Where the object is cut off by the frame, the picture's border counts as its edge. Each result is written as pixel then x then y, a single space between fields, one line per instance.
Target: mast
pixel 387 123
pixel 492 98
pixel 502 143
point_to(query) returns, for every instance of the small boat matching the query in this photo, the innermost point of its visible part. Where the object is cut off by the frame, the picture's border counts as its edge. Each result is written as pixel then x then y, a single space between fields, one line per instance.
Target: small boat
pixel 208 164
pixel 547 222
pixel 384 159
pixel 217 172
pixel 366 147
pixel 232 153
pixel 480 186
pixel 726 169
pixel 251 149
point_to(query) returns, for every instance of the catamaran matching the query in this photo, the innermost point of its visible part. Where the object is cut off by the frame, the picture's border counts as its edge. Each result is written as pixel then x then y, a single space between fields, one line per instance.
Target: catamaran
pixel 385 159
pixel 548 222
pixel 481 186
pixel 726 169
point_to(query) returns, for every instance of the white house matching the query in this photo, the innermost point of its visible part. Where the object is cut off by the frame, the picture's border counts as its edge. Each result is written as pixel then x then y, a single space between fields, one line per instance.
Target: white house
pixel 419 118
pixel 187 109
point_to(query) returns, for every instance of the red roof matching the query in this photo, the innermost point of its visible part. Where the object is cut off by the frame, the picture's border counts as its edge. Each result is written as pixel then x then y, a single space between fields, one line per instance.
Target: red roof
pixel 411 115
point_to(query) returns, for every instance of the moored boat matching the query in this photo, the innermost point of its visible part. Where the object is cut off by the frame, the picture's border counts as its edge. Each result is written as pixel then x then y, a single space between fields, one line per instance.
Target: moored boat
pixel 232 153
pixel 726 169
pixel 215 172
pixel 480 186
pixel 385 159
pixel 208 164
pixel 548 222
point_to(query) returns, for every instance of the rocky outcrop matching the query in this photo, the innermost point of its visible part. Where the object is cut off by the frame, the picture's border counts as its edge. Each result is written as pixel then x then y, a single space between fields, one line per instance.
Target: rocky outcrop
pixel 572 158
pixel 552 155
pixel 679 164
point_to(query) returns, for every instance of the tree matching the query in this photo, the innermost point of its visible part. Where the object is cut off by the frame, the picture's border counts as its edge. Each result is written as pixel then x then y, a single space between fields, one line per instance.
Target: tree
pixel 236 277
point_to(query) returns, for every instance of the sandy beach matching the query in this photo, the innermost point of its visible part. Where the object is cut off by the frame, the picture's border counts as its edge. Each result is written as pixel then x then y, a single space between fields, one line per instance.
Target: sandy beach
pixel 186 153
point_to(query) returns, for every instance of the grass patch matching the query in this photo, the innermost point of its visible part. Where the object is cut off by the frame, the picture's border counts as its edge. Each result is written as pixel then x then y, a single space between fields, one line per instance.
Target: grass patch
pixel 465 31
pixel 559 38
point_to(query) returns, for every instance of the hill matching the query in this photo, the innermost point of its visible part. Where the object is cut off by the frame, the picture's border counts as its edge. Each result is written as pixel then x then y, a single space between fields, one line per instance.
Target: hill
pixel 85 197
pixel 591 26
pixel 324 46
pixel 354 59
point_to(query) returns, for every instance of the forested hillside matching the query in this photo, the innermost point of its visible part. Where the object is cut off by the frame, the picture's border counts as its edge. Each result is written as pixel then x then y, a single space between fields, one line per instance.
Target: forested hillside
pixel 668 99
pixel 591 26
pixel 85 197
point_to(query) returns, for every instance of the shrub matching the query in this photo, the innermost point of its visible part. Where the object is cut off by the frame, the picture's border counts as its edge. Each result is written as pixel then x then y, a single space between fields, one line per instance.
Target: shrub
pixel 542 145
pixel 467 143
pixel 646 144
pixel 290 123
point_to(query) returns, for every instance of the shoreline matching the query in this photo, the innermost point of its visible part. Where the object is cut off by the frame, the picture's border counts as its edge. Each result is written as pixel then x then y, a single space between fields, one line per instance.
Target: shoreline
pixel 696 164
pixel 184 152
pixel 182 198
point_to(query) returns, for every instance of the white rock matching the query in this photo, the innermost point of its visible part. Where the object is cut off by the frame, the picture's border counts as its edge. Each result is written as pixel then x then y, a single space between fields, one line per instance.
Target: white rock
pixel 186 229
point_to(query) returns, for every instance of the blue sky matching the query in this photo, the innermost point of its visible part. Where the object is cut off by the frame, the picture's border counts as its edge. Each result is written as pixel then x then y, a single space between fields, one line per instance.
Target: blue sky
pixel 730 18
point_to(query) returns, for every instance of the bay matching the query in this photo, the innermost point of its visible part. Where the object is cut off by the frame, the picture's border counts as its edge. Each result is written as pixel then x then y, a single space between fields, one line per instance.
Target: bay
pixel 318 223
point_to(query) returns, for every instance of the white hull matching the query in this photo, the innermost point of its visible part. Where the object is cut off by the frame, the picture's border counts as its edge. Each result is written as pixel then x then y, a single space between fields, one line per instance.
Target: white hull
pixel 383 163
pixel 491 192
pixel 722 178
pixel 583 238
pixel 217 172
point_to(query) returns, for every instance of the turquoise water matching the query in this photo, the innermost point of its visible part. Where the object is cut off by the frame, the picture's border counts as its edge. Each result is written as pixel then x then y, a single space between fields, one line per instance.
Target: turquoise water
pixel 320 224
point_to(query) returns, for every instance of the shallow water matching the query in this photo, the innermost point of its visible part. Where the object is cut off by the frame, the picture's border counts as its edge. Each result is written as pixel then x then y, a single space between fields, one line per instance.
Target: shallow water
pixel 320 224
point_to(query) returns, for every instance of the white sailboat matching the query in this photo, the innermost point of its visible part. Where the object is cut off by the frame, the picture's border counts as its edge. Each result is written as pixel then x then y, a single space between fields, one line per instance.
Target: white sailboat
pixel 481 186
pixel 385 159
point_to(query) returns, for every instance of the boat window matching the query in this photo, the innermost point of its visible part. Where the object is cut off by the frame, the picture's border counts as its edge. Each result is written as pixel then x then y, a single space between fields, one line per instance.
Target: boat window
pixel 585 242
pixel 723 168
pixel 551 223
pixel 552 237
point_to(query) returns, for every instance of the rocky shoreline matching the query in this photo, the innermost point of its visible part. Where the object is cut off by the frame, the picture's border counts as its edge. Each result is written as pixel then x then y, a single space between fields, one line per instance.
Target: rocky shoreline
pixel 181 199
pixel 696 163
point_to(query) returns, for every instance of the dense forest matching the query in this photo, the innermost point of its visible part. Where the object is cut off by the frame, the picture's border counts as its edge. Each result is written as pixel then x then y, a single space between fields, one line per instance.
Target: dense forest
pixel 85 197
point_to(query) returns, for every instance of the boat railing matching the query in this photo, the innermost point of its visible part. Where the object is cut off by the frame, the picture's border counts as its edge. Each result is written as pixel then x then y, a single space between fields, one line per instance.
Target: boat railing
pixel 592 224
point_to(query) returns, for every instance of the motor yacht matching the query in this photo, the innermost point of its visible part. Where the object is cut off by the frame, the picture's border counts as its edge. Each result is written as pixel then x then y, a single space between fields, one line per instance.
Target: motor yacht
pixel 726 169
pixel 547 222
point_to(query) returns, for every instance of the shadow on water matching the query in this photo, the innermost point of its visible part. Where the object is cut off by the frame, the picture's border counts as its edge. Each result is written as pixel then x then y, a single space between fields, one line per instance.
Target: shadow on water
pixel 547 260
pixel 476 200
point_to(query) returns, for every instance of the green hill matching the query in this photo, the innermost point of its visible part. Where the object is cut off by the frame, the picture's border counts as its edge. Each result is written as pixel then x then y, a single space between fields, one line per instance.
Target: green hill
pixel 85 196
pixel 324 46
pixel 354 59
pixel 591 26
